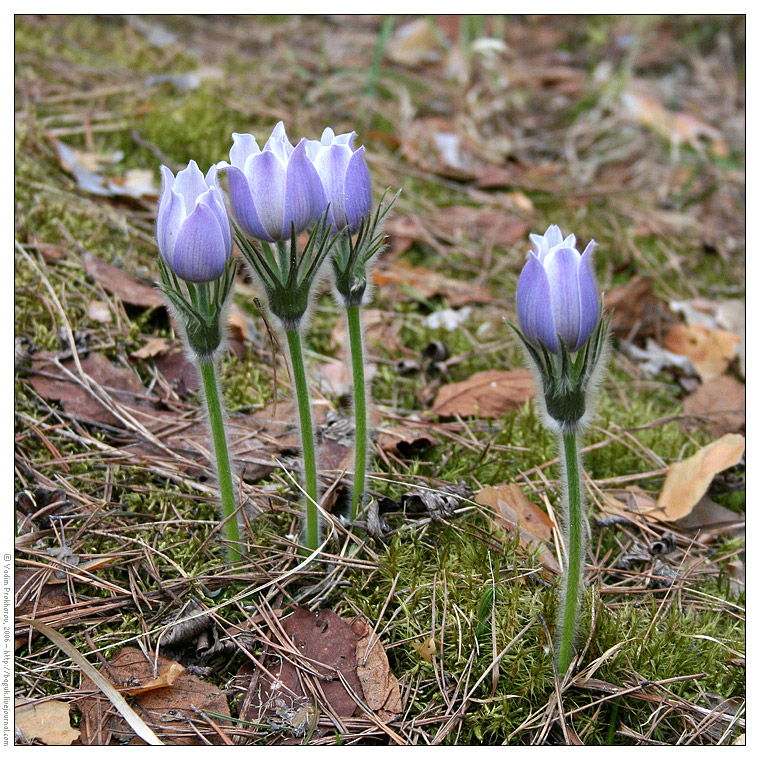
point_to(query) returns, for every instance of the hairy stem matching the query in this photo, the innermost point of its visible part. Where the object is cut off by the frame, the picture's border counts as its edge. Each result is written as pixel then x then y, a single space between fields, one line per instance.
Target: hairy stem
pixel 224 472
pixel 353 314
pixel 574 536
pixel 307 436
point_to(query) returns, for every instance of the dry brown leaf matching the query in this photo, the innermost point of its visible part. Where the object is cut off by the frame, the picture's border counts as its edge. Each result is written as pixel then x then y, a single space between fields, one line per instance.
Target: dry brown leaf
pixel 253 438
pixel 122 285
pixel 47 721
pixel 416 43
pixel 709 350
pixel 629 502
pixel 121 383
pixel 719 404
pixel 406 440
pixel 712 520
pixel 477 224
pixel 153 348
pixel 323 642
pixel 634 307
pixel 428 284
pixel 380 687
pixel 99 311
pixel 486 394
pixel 426 649
pixel 513 511
pixel 725 314
pixel 178 370
pixel 169 707
pixel 334 378
pixel 676 126
pixel 167 677
pixel 687 481
pixel 381 330
pixel 35 601
pixel 87 167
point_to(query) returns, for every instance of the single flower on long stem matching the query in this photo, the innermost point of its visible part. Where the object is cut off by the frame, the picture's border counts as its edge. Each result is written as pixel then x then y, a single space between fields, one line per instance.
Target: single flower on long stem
pixel 348 189
pixel 275 194
pixel 197 277
pixel 564 333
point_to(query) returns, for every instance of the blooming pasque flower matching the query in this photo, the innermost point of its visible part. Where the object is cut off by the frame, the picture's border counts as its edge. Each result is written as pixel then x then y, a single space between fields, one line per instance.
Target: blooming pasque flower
pixel 192 227
pixel 556 293
pixel 345 178
pixel 273 190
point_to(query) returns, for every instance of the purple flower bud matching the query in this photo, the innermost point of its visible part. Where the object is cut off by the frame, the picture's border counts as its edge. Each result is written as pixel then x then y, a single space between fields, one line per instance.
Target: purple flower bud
pixel 345 177
pixel 275 189
pixel 192 227
pixel 556 293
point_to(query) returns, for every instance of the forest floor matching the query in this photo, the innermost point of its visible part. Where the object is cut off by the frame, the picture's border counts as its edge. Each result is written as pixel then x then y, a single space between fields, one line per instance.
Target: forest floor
pixel 434 621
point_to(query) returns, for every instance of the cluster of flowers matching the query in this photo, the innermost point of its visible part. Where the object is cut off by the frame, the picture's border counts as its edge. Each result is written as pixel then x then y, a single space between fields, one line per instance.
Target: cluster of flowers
pixel 324 187
pixel 275 193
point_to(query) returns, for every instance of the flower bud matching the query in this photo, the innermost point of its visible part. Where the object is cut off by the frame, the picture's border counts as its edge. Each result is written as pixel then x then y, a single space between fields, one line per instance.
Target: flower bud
pixel 556 293
pixel 345 178
pixel 192 227
pixel 274 190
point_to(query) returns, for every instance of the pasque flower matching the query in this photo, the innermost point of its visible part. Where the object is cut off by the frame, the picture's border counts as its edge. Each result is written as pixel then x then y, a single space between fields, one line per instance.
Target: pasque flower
pixel 564 334
pixel 275 190
pixel 195 241
pixel 556 293
pixel 192 227
pixel 345 178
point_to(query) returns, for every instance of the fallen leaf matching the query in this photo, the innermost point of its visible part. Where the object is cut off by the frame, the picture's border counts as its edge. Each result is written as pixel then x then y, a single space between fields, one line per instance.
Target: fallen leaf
pixel 323 642
pixel 134 183
pixel 99 311
pixel 153 348
pixel 179 371
pixel 486 394
pixel 415 43
pixel 710 351
pixel 47 721
pixel 483 225
pixel 427 284
pixel 676 126
pixel 382 330
pixel 39 602
pixel 426 649
pixel 169 708
pixel 406 440
pixel 87 169
pixel 711 520
pixel 654 359
pixel 253 438
pixel 121 384
pixel 334 378
pixel 122 285
pixel 719 405
pixel 238 331
pixel 514 512
pixel 448 319
pixel 382 693
pixel 727 315
pixel 635 308
pixel 167 677
pixel 687 481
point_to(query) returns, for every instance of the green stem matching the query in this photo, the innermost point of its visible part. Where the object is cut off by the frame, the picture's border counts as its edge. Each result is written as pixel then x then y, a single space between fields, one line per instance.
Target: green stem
pixel 360 406
pixel 307 436
pixel 224 472
pixel 574 538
